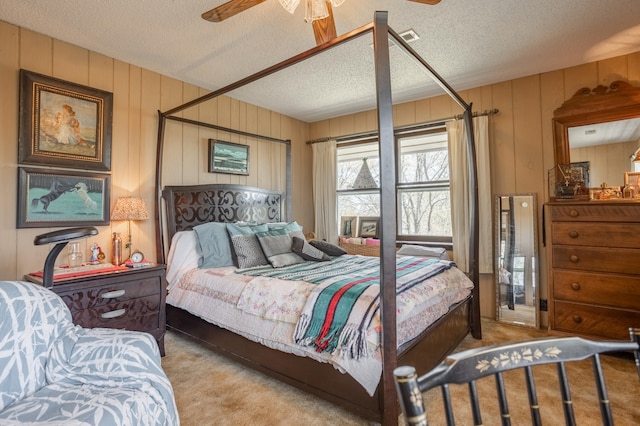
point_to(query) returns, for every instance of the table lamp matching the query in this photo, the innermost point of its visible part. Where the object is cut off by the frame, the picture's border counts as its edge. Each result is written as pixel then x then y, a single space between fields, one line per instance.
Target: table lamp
pixel 129 208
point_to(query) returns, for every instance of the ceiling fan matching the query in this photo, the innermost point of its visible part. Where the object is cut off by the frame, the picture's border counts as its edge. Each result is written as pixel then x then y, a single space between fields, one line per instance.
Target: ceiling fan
pixel 324 27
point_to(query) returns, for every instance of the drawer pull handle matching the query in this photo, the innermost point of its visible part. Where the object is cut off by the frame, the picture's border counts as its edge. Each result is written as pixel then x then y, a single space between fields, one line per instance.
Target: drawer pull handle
pixel 574 213
pixel 113 314
pixel 113 294
pixel 575 286
pixel 577 319
pixel 574 258
pixel 573 234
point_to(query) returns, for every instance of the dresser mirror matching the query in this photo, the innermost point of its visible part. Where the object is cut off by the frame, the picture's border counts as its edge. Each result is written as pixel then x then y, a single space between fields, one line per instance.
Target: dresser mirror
pixel 516 254
pixel 600 126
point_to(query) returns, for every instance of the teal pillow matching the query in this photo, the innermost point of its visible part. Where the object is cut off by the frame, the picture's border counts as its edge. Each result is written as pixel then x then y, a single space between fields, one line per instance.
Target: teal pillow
pixel 276 245
pixel 246 248
pixel 213 245
pixel 291 226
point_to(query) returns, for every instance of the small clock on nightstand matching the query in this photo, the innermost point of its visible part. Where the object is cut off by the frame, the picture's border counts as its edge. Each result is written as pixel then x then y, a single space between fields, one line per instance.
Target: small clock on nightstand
pixel 136 257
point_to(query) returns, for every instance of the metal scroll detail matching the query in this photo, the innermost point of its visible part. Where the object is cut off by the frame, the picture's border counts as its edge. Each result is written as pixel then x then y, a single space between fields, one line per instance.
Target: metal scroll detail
pixel 192 206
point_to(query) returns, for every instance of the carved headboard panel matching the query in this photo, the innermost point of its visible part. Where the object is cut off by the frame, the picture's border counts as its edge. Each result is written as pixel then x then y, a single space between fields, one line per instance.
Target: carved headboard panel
pixel 189 206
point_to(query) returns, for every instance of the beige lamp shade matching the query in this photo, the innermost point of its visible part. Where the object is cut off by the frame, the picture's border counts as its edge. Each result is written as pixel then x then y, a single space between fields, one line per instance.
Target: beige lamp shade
pixel 129 208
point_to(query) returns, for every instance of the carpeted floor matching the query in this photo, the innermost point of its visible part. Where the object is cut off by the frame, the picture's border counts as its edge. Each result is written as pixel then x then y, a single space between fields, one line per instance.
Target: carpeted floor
pixel 210 390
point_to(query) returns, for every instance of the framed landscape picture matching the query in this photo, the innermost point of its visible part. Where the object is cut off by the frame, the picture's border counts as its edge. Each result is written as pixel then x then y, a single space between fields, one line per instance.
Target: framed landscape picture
pixel 228 157
pixel 52 198
pixel 64 124
pixel 368 226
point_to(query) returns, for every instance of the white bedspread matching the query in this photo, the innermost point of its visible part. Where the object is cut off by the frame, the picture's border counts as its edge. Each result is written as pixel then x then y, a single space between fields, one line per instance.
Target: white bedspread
pixel 267 313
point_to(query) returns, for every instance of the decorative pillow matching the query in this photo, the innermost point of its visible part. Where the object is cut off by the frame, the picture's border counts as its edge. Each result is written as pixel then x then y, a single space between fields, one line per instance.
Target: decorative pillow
pixel 276 245
pixel 213 245
pixel 306 251
pixel 246 247
pixel 330 249
pixel 291 226
pixel 415 250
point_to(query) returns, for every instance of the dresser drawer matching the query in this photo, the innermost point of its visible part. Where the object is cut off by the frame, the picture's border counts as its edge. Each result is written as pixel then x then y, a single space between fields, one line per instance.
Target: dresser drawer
pixel 138 314
pixel 594 212
pixel 600 289
pixel 596 234
pixel 598 259
pixel 92 297
pixel 594 320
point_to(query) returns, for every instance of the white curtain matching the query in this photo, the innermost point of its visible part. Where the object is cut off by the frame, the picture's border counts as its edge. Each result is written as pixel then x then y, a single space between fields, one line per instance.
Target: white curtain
pixel 460 189
pixel 324 190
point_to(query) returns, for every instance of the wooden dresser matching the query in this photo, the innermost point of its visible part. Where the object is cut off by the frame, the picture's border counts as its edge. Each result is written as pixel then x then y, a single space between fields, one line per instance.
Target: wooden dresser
pixel 595 267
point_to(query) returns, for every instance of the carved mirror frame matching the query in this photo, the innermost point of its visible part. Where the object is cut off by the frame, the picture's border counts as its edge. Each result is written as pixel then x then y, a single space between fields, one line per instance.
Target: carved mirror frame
pixel 618 101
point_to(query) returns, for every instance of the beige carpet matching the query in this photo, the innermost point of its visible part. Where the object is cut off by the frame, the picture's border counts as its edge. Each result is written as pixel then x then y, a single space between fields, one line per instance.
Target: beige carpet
pixel 210 390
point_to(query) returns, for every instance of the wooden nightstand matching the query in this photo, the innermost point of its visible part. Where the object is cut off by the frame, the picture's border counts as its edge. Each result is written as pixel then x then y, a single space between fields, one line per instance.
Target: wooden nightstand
pixel 132 299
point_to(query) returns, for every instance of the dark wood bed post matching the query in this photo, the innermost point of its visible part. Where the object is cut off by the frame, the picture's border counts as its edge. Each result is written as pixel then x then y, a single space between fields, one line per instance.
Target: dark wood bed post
pixel 386 147
pixel 158 198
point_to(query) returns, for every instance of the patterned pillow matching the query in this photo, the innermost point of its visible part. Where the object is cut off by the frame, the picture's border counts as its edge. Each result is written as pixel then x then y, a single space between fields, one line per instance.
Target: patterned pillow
pixel 330 249
pixel 276 245
pixel 307 251
pixel 246 247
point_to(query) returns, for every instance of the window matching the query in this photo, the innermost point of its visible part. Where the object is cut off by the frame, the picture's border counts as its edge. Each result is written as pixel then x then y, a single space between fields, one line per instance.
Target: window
pixel 424 207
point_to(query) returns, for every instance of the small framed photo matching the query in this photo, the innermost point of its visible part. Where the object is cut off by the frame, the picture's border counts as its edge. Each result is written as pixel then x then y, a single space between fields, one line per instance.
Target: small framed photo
pixel 368 226
pixel 632 178
pixel 57 198
pixel 348 226
pixel 228 157
pixel 64 124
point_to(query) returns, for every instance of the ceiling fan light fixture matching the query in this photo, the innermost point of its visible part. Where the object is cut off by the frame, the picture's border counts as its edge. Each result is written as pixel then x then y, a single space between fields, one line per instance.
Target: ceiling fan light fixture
pixel 289 5
pixel 315 10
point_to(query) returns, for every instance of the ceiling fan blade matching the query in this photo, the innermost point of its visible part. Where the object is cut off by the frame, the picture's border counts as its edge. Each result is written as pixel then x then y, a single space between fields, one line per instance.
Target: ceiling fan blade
pixel 228 9
pixel 324 29
pixel 431 2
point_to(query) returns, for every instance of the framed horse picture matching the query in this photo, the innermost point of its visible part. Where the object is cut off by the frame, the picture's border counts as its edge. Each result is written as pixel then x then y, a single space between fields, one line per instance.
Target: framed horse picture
pixel 51 198
pixel 64 124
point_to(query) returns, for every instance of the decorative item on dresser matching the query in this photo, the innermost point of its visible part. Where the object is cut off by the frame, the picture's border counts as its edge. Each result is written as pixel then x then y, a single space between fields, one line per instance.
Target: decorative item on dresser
pixel 595 274
pixel 129 208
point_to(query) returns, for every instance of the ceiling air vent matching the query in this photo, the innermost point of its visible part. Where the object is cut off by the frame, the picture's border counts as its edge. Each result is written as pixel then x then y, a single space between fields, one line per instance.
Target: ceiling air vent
pixel 409 36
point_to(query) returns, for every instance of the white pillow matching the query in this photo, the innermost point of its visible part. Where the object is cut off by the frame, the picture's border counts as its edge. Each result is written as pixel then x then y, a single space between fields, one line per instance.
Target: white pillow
pixel 182 257
pixel 413 250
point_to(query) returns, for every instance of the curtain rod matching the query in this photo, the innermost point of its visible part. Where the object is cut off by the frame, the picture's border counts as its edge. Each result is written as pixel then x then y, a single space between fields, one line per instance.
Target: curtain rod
pixel 401 129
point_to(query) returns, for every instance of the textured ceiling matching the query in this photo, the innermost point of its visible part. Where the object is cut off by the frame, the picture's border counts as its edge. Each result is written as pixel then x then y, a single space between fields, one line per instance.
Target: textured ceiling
pixel 469 43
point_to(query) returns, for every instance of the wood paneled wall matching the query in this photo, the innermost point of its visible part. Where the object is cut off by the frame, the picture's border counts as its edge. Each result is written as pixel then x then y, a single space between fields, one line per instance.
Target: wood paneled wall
pixel 521 134
pixel 138 95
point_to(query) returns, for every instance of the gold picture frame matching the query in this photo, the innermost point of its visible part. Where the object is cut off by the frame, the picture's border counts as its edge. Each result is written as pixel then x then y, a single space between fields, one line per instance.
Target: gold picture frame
pixel 64 124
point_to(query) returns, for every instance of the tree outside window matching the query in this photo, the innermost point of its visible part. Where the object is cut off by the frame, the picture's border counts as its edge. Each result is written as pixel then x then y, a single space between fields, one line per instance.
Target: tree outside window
pixel 423 184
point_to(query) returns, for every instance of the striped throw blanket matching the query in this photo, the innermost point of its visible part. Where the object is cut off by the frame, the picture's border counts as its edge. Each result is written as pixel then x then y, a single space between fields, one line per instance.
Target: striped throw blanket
pixel 339 310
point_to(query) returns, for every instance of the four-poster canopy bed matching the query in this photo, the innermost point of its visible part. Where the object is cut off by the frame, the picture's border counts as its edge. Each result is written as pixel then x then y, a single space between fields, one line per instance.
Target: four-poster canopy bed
pixel 188 207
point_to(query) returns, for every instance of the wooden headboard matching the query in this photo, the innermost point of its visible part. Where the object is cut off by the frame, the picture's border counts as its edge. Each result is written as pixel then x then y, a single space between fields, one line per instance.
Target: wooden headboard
pixel 189 206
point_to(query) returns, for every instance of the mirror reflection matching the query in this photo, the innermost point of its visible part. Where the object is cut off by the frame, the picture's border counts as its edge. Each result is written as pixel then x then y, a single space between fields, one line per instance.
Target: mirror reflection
pixel 610 149
pixel 516 259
